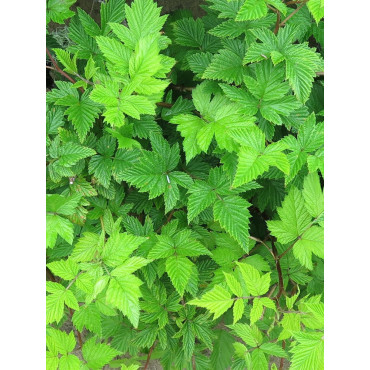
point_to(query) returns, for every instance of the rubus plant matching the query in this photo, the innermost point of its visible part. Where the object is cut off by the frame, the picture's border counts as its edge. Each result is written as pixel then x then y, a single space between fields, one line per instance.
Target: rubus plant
pixel 184 200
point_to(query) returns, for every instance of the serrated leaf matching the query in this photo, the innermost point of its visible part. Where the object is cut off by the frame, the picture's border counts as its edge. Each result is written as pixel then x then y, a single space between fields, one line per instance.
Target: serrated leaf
pixel 316 8
pixel 256 284
pixel 294 218
pixel 189 32
pixel 97 354
pixel 86 247
pixel 66 269
pixel 69 362
pixel 233 214
pixel 225 66
pixel 311 241
pixel 217 301
pixel 179 270
pixel 233 284
pixel 309 353
pixel 238 310
pixel 82 112
pixel 252 9
pixel 71 153
pixel 123 292
pixel 312 194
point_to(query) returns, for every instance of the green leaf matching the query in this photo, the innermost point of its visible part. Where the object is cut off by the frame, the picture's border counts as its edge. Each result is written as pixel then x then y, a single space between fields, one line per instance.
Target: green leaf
pixel 238 310
pixel 52 361
pixel 55 304
pixel 279 5
pixel 86 247
pixel 311 241
pixel 179 269
pixel 201 197
pixel 233 284
pixel 313 196
pixel 88 316
pixel 123 292
pixel 189 32
pixel 225 66
pixel 189 126
pixel 111 11
pixel 302 63
pixel 71 153
pixel 97 354
pixel 61 205
pixel 101 167
pixel 309 353
pixel 119 247
pixel 273 349
pixel 56 225
pixel 259 361
pixel 252 9
pixel 256 284
pixel 115 52
pixel 65 58
pixel 316 8
pixel 250 334
pixel 130 266
pixel 82 112
pixel 69 362
pixel 89 25
pixel 222 350
pixel 143 18
pixel 257 309
pixel 60 341
pixel 58 10
pixel 294 218
pixel 233 214
pixel 217 301
pixel 66 269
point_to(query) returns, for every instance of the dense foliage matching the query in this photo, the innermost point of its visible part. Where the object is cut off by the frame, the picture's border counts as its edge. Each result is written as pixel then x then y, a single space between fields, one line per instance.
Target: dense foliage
pixel 184 186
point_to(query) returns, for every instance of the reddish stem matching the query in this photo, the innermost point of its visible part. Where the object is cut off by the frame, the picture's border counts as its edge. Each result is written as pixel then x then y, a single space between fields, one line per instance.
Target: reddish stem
pixel 55 64
pixel 282 359
pixel 291 14
pixel 278 268
pixel 167 221
pixel 277 24
pixel 165 105
pixel 149 355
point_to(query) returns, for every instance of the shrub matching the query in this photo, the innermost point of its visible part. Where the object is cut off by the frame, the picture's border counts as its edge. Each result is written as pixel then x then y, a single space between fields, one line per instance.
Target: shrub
pixel 184 186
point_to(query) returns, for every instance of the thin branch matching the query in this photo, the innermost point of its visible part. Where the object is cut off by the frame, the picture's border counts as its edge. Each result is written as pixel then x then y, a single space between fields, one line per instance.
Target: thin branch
pixel 165 105
pixel 293 2
pixel 149 355
pixel 291 15
pixel 181 88
pixel 277 24
pixel 167 221
pixel 282 359
pixel 299 237
pixel 55 64
pixel 193 362
pixel 84 79
pixel 277 18
pixel 264 244
pixel 270 293
pixel 72 281
pixel 76 74
pixel 278 268
pixel 320 73
pixel 287 250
